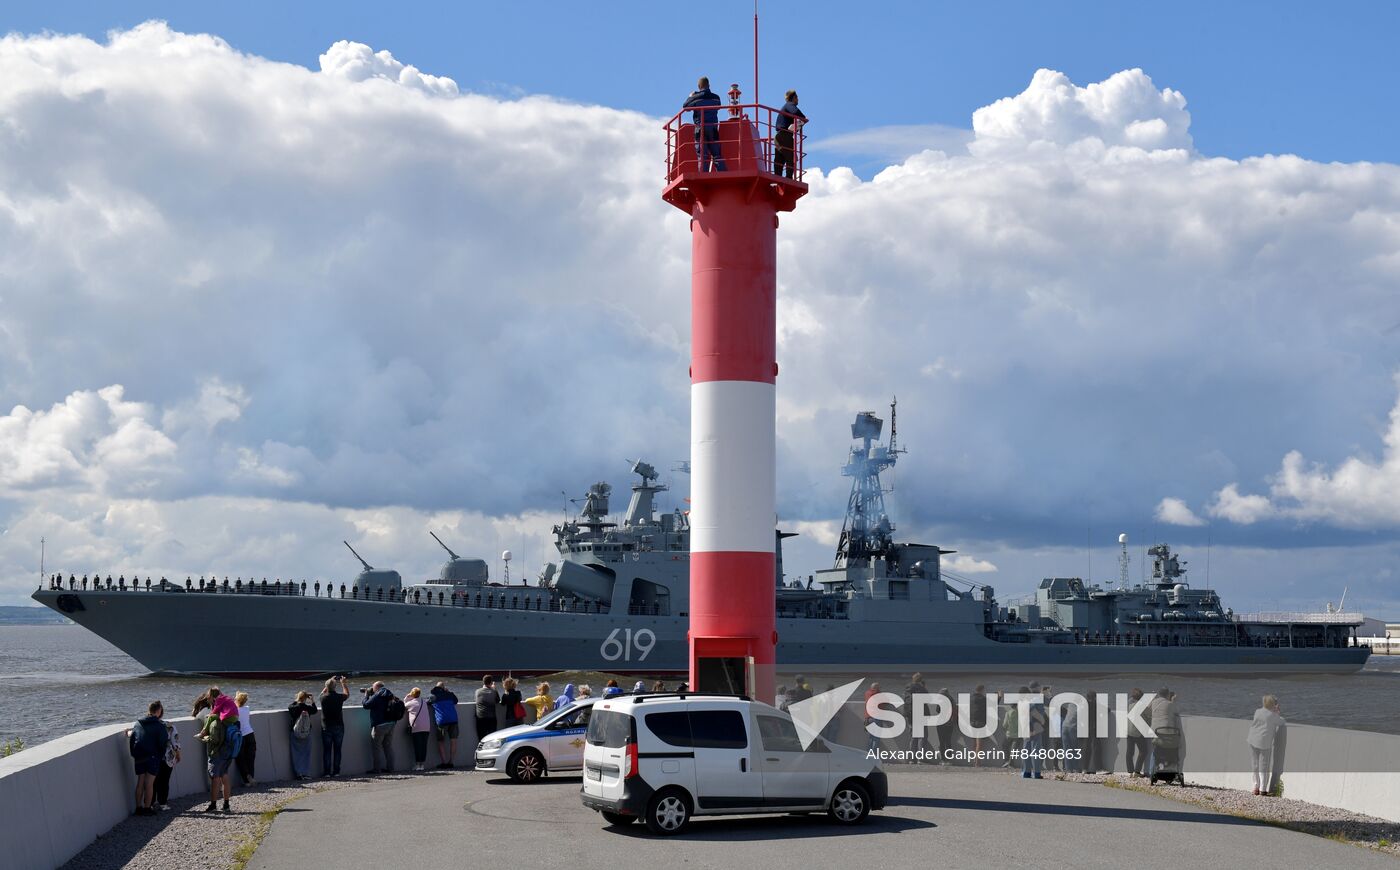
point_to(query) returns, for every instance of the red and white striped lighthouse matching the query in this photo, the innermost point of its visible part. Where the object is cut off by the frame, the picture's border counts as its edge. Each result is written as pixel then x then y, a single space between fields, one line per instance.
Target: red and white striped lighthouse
pixel 733 372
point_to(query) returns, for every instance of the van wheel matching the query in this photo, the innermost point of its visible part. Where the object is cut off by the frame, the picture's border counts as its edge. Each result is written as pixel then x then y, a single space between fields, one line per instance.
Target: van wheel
pixel 850 803
pixel 668 811
pixel 618 819
pixel 527 765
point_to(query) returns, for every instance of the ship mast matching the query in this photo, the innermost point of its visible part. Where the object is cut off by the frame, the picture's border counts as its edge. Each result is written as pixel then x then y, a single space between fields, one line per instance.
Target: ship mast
pixel 867 531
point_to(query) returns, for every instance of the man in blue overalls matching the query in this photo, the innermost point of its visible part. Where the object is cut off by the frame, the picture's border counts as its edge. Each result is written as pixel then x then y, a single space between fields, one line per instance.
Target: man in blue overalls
pixel 706 122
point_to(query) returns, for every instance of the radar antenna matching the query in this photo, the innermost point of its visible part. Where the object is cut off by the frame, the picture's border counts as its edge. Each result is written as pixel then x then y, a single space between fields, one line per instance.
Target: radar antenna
pixel 440 544
pixel 368 566
pixel 867 531
pixel 894 425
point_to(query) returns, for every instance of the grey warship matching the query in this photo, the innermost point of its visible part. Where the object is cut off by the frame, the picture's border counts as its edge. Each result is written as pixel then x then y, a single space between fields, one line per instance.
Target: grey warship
pixel 617 599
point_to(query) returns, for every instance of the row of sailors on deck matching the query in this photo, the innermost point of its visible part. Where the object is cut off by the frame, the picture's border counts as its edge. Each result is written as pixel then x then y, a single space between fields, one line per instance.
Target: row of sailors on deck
pixel 496 599
pixel 705 104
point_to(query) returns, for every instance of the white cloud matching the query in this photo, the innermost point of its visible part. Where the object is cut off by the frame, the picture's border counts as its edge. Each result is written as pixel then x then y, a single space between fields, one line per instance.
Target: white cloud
pixel 1359 493
pixel 1175 512
pixel 969 565
pixel 1126 110
pixel 827 533
pixel 358 288
pixel 1230 504
pixel 86 439
pixel 940 368
pixel 358 62
pixel 217 403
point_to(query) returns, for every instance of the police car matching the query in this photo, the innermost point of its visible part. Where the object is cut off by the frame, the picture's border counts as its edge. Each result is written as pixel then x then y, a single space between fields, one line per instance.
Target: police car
pixel 527 752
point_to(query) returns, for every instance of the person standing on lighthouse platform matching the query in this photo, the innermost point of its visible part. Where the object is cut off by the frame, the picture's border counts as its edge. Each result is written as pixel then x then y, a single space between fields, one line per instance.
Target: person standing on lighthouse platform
pixel 790 118
pixel 706 121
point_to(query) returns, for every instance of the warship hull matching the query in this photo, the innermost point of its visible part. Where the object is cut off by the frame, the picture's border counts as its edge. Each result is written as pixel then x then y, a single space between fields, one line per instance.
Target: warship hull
pixel 291 636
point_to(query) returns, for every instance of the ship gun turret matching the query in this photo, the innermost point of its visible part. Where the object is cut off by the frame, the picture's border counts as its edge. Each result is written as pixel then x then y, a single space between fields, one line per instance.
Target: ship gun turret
pixel 459 571
pixel 374 578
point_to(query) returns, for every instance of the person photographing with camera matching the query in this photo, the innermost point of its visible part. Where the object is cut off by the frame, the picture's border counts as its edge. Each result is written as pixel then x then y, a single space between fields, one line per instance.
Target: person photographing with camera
pixel 333 697
pixel 382 705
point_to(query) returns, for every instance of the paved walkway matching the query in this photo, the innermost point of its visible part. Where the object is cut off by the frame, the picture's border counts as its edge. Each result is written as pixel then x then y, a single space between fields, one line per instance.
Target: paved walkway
pixel 945 818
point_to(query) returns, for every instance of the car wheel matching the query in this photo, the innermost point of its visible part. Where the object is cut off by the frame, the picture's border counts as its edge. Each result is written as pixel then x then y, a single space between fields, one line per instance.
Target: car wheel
pixel 668 811
pixel 618 819
pixel 850 803
pixel 527 765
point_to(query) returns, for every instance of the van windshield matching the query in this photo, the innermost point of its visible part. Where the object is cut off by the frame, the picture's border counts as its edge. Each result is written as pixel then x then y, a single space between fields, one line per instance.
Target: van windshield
pixel 610 729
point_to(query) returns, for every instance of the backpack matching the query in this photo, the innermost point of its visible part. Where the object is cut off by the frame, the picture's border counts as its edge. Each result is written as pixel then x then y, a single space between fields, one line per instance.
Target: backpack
pixel 394 710
pixel 233 739
pixel 444 710
pixel 302 727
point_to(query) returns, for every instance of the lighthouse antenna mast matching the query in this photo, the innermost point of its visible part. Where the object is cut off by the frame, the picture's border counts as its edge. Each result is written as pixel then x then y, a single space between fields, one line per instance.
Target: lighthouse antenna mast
pixel 755 52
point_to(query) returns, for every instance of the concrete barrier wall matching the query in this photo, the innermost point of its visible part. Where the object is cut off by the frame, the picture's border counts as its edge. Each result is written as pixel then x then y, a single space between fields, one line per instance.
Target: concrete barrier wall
pixel 1333 767
pixel 57 797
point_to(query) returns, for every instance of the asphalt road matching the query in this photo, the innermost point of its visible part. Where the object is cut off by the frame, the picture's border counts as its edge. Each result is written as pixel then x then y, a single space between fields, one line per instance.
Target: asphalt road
pixel 944 818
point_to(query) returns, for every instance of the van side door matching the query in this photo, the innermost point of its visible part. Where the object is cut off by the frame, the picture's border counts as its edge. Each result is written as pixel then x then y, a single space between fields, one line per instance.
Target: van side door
pixel 792 776
pixel 725 776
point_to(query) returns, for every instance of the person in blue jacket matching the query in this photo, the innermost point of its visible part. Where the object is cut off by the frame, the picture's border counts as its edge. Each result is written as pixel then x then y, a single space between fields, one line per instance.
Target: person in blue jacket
pixel 445 718
pixel 706 121
pixel 381 728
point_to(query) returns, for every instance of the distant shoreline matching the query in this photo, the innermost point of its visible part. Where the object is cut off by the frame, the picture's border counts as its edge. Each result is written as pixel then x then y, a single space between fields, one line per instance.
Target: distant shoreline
pixel 12 615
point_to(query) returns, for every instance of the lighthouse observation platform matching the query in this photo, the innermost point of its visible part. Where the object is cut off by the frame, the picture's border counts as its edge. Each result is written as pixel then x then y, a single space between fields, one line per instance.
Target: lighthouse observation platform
pixel 756 143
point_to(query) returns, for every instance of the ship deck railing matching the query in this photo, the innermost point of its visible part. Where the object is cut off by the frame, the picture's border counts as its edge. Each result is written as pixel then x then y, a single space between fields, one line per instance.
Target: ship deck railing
pixel 524 598
pixel 527 598
pixel 1303 617
pixel 1165 640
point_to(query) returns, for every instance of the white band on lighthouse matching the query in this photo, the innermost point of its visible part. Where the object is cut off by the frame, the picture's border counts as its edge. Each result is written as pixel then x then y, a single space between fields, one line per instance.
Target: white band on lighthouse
pixel 733 501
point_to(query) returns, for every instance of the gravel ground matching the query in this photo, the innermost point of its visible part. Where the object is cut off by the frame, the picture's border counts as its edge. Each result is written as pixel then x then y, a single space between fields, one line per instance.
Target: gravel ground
pixel 185 837
pixel 1361 830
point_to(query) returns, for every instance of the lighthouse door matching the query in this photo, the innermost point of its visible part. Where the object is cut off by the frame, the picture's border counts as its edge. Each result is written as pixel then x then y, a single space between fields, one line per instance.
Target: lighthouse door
pixel 725 675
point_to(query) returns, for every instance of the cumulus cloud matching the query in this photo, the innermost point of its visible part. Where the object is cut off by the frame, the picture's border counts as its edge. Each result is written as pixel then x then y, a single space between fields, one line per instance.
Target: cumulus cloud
pixel 1124 110
pixel 969 565
pixel 359 289
pixel 1175 512
pixel 358 62
pixel 89 438
pixel 1359 493
pixel 823 532
pixel 1230 504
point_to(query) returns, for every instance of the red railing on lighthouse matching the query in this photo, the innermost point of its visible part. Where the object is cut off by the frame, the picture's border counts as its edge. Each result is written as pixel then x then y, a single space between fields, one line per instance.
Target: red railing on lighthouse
pixel 751 138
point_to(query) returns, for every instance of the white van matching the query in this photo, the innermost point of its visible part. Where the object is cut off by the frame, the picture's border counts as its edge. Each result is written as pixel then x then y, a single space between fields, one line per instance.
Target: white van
pixel 665 758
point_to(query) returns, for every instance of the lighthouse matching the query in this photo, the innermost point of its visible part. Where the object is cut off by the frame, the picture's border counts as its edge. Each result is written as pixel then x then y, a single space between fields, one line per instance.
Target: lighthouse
pixel 734 213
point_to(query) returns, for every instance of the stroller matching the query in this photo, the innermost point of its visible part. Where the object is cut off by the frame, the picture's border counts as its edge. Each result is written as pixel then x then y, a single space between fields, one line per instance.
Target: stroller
pixel 1166 756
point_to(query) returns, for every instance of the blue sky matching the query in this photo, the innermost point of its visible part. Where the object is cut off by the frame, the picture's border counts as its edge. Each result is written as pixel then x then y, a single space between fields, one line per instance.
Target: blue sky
pixel 1311 79
pixel 361 296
